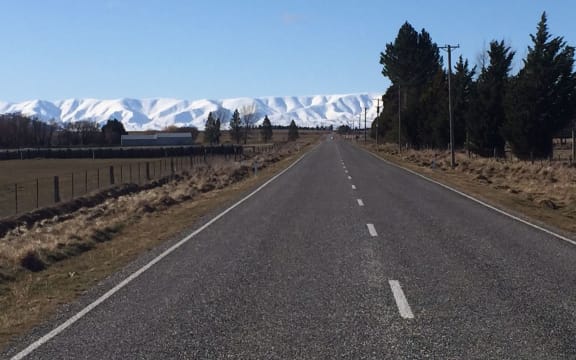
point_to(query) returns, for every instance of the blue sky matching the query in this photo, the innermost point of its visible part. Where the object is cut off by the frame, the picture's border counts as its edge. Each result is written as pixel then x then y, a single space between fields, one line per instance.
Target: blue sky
pixel 216 49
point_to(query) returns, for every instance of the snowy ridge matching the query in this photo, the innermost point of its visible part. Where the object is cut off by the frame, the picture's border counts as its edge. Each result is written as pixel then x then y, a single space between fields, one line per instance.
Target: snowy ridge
pixel 156 114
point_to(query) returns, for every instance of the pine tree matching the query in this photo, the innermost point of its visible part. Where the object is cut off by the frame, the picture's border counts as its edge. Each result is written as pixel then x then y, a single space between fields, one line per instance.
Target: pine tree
pixel 266 130
pixel 293 131
pixel 217 132
pixel 462 93
pixel 487 109
pixel 542 97
pixel 209 130
pixel 413 63
pixel 236 132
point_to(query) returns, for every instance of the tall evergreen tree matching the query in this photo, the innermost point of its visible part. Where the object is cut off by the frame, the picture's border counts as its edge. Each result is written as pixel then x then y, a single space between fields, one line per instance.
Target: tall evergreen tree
pixel 210 130
pixel 293 131
pixel 217 132
pixel 542 97
pixel 236 127
pixel 266 130
pixel 462 93
pixel 412 62
pixel 488 113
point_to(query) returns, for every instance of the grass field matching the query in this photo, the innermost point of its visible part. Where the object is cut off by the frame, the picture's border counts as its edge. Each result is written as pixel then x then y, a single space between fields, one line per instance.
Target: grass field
pixel 29 184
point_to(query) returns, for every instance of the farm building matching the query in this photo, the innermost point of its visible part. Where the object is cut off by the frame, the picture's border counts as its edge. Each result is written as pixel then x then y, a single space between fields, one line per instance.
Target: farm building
pixel 159 139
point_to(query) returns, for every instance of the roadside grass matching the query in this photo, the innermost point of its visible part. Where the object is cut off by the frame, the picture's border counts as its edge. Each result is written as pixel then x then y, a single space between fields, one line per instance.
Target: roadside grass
pixel 544 192
pixel 77 254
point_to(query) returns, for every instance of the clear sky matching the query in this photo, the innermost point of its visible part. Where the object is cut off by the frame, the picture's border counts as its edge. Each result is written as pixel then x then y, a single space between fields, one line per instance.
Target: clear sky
pixel 189 49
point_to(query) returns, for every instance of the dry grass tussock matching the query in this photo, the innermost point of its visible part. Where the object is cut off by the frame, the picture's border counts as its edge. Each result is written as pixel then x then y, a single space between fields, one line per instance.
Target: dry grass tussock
pixel 548 185
pixel 34 245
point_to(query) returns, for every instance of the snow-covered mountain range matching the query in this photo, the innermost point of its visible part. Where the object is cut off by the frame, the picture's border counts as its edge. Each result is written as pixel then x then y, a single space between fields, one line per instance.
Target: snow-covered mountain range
pixel 156 114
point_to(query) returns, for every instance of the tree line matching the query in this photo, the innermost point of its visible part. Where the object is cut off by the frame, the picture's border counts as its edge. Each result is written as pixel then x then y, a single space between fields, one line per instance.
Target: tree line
pixel 492 108
pixel 242 123
pixel 17 130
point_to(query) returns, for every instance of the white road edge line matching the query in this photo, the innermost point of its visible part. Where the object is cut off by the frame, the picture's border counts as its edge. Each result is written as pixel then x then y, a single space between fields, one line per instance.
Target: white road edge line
pixel 401 302
pixel 353 187
pixel 360 202
pixel 35 345
pixel 372 230
pixel 470 197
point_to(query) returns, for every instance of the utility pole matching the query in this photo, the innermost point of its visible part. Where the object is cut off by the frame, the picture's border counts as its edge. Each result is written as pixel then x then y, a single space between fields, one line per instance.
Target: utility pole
pixel 359 119
pixel 365 137
pixel 377 114
pixel 574 142
pixel 399 119
pixel 449 49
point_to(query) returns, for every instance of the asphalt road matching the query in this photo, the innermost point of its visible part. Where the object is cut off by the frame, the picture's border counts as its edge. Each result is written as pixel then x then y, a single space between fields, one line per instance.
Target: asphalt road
pixel 343 256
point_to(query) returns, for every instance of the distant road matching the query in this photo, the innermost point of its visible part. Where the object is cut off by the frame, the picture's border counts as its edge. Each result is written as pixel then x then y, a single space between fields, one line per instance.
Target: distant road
pixel 342 256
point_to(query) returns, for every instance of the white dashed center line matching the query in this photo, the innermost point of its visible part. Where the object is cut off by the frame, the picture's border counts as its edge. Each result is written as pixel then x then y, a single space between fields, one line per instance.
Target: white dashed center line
pixel 401 302
pixel 349 177
pixel 353 187
pixel 372 230
pixel 360 202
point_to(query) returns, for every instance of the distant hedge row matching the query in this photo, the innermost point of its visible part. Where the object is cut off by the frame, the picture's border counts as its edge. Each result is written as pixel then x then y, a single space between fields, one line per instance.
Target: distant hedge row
pixel 121 153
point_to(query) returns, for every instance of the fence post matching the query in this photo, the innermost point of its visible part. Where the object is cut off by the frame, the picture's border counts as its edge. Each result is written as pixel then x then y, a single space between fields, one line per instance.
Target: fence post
pixel 98 178
pixel 72 187
pixel 37 193
pixel 147 171
pixel 86 182
pixel 121 175
pixel 56 189
pixel 16 197
pixel 172 167
pixel 112 175
pixel 130 171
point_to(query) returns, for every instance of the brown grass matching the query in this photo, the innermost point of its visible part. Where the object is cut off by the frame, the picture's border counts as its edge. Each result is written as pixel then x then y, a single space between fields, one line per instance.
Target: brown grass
pixel 79 249
pixel 544 191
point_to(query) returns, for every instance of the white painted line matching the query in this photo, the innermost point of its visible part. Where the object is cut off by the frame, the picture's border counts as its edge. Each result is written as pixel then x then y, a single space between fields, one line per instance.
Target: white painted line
pixel 372 230
pixel 470 197
pixel 349 177
pixel 346 171
pixel 353 187
pixel 401 302
pixel 44 339
pixel 360 202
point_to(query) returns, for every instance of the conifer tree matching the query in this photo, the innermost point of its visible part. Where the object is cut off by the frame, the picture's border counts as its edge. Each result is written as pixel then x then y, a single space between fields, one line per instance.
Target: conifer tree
pixel 217 132
pixel 487 111
pixel 236 127
pixel 293 131
pixel 210 130
pixel 462 94
pixel 266 130
pixel 542 97
pixel 413 64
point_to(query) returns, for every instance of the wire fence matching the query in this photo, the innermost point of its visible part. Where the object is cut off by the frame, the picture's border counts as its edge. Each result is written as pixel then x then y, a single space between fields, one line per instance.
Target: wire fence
pixel 25 196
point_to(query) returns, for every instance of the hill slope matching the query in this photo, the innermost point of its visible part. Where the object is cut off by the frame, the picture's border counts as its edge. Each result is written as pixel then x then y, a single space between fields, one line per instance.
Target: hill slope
pixel 146 114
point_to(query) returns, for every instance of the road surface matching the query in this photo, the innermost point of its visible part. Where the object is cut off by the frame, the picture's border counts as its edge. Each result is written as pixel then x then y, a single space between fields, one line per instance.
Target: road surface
pixel 342 256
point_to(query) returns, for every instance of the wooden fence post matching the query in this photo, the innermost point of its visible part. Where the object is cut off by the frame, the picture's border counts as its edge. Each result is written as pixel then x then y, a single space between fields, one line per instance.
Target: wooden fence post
pixel 37 193
pixel 16 197
pixel 56 189
pixel 147 171
pixel 112 175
